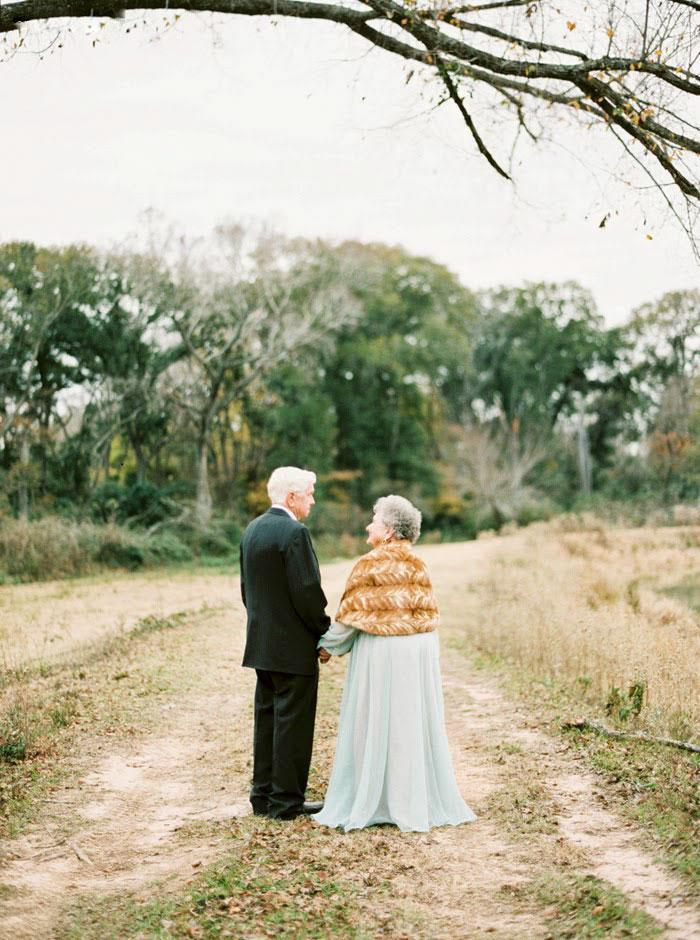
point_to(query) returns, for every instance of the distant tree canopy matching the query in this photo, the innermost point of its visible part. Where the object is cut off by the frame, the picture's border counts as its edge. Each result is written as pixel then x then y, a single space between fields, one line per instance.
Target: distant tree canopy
pixel 628 67
pixel 161 386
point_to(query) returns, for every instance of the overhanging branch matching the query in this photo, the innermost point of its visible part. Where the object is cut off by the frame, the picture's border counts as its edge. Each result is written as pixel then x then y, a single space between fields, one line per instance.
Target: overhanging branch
pixel 626 91
pixel 454 94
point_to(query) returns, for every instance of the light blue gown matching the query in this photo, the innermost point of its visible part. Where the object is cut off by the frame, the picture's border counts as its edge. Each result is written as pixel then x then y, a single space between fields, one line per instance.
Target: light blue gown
pixel 392 762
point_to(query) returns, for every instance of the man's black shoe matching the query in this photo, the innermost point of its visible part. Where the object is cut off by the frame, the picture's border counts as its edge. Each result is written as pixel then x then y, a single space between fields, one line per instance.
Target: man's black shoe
pixel 304 810
pixel 309 808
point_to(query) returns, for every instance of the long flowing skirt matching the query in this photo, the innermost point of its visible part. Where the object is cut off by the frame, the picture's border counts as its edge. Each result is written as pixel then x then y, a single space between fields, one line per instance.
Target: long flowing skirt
pixel 392 762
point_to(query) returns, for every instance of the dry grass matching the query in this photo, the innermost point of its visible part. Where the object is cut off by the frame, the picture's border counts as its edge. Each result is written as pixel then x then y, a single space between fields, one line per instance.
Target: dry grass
pixel 584 608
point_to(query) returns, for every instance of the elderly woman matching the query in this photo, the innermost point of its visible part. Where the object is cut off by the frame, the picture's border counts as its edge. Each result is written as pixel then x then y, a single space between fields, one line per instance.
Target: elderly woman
pixel 392 762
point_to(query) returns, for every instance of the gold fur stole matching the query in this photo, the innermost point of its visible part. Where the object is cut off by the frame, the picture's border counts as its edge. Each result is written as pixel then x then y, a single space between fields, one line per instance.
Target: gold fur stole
pixel 389 593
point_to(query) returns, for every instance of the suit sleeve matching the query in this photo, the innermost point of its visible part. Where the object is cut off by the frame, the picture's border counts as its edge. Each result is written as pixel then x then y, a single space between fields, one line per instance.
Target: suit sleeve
pixel 304 579
pixel 240 566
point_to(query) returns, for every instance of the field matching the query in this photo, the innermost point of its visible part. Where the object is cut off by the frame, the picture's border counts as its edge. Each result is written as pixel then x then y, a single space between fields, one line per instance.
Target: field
pixel 125 730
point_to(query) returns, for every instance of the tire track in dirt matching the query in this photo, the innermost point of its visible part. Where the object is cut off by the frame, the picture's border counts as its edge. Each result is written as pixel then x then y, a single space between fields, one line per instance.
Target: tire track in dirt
pixel 599 842
pixel 120 826
pixel 123 816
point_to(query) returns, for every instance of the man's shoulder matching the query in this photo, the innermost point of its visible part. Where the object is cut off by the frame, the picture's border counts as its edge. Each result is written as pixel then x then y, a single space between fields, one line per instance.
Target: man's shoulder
pixel 273 520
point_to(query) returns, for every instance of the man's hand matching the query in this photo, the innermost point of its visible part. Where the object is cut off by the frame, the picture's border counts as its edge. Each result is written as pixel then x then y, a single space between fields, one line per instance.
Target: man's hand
pixel 323 655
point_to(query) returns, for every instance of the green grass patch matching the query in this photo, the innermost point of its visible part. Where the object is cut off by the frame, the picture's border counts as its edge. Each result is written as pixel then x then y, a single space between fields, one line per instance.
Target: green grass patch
pixel 686 591
pixel 36 717
pixel 276 880
pixel 153 624
pixel 658 787
pixel 582 907
pixel 522 807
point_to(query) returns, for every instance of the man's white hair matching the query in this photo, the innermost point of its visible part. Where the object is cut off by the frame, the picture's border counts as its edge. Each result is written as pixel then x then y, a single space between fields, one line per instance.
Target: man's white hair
pixel 285 480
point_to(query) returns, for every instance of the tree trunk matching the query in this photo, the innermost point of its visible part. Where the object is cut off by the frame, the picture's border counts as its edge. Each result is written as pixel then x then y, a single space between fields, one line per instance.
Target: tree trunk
pixel 23 485
pixel 224 433
pixel 203 501
pixel 140 462
pixel 44 425
pixel 583 449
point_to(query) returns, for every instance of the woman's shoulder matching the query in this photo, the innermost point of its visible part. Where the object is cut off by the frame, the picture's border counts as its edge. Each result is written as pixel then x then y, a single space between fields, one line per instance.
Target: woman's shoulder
pixel 397 557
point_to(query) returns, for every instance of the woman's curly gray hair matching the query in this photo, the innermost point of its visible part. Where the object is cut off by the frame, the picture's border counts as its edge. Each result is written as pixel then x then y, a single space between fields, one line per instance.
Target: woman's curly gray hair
pixel 399 514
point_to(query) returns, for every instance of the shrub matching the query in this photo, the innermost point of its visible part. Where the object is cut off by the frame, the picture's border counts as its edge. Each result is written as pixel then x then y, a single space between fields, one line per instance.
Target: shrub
pixel 215 543
pixel 105 501
pixel 221 540
pixel 118 553
pixel 142 503
pixel 450 517
pixel 146 504
pixel 167 547
pixel 57 548
pixel 535 512
pixel 232 531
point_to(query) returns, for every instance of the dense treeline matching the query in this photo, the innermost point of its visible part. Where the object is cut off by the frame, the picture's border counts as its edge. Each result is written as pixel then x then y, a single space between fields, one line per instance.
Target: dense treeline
pixel 157 389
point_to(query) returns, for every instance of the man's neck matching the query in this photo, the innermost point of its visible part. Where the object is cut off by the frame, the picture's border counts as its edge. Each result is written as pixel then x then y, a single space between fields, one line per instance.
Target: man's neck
pixel 286 509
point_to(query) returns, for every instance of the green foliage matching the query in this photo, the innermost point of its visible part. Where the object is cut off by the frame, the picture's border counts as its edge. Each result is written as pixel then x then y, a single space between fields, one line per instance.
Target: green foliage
pixel 231 530
pixel 141 504
pixel 146 504
pixel 118 376
pixel 687 591
pixel 538 347
pixel 165 548
pixel 57 548
pixel 535 512
pixel 621 705
pixel 296 420
pixel 387 374
pixel 216 544
pixel 106 501
pixel 117 553
pixel 451 517
pixel 14 734
pixel 153 624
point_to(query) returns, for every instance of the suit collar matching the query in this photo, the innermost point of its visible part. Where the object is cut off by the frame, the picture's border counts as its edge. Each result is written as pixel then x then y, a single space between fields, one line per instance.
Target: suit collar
pixel 273 510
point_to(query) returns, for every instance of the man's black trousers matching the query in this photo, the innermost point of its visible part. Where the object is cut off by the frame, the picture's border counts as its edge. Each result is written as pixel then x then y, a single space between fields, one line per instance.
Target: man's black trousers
pixel 285 711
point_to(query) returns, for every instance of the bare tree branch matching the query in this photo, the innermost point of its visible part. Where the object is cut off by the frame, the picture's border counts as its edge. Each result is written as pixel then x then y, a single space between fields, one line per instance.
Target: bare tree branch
pixel 454 94
pixel 645 83
pixel 688 3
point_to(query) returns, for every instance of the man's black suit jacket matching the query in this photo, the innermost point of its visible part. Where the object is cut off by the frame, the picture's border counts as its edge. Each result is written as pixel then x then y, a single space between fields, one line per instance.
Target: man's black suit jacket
pixel 281 589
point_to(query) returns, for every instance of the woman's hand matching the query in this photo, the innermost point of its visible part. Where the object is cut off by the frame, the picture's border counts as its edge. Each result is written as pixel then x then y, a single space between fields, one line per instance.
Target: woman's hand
pixel 323 655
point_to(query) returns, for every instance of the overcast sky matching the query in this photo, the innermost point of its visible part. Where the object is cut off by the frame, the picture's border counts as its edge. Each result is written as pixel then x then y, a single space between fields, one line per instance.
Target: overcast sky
pixel 309 129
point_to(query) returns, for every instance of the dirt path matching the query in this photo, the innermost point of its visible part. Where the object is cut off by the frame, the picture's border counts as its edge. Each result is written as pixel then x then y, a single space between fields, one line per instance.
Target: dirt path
pixel 133 818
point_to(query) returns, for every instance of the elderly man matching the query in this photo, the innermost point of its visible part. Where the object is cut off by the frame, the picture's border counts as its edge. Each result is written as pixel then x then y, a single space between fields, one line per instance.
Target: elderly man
pixel 281 589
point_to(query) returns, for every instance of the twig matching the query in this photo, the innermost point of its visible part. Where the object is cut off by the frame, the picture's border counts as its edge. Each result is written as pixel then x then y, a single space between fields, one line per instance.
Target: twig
pixel 82 855
pixel 583 724
pixel 45 848
pixel 454 94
